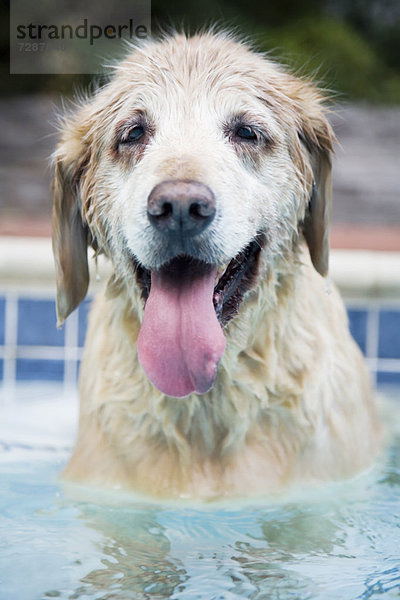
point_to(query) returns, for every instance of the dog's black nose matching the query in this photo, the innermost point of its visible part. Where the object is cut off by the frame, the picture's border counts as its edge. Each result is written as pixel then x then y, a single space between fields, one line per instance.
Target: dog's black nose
pixel 181 208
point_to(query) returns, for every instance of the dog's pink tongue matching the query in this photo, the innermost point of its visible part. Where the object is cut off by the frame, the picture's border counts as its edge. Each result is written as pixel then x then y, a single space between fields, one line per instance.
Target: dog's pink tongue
pixel 181 342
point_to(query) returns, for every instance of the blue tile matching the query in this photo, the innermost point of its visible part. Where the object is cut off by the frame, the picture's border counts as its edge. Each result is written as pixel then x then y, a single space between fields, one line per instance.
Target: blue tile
pixel 1 369
pixel 2 320
pixel 358 326
pixel 388 378
pixel 389 334
pixel 37 323
pixel 39 370
pixel 83 321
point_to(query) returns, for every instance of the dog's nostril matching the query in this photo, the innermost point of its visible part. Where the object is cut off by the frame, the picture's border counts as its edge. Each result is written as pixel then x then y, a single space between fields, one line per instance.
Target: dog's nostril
pixel 160 213
pixel 168 210
pixel 198 210
pixel 165 211
pixel 194 210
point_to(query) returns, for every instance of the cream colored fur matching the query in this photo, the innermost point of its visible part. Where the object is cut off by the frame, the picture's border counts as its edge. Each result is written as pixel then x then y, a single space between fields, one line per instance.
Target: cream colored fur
pixel 292 401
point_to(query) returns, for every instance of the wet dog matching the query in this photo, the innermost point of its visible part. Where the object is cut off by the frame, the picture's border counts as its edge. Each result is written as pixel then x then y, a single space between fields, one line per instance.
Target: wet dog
pixel 215 362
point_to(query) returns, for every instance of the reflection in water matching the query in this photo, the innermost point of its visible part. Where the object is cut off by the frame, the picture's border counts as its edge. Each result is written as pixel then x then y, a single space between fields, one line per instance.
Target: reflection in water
pixel 342 544
pixel 338 543
pixel 136 555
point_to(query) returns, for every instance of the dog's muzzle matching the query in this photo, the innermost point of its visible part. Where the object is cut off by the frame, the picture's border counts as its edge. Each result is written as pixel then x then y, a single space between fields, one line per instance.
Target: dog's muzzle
pixel 187 299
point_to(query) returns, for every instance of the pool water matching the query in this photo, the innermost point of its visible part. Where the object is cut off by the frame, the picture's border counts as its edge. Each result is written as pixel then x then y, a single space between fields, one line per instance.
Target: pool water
pixel 340 542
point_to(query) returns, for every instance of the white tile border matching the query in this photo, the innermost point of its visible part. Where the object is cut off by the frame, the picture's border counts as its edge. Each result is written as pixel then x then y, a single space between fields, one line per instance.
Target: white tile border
pixel 360 274
pixel 26 264
pixel 366 275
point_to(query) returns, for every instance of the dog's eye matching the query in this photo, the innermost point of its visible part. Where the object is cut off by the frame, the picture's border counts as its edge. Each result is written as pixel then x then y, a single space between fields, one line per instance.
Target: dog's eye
pixel 134 135
pixel 245 132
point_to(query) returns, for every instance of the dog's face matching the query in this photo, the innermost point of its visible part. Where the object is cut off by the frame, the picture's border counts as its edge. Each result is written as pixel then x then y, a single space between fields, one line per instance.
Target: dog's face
pixel 194 157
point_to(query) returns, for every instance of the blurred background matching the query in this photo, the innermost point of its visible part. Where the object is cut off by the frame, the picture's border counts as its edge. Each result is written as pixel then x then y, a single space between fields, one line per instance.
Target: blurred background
pixel 352 48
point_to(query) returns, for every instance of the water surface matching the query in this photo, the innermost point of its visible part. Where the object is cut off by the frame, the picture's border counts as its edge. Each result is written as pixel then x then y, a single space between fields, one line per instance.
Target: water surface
pixel 341 542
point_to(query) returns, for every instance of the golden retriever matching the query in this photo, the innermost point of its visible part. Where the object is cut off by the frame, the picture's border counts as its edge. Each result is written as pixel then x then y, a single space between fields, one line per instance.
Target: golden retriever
pixel 216 360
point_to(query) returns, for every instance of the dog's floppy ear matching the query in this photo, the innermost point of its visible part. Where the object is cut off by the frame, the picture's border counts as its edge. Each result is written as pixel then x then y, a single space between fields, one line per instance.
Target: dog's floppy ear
pixel 318 140
pixel 70 234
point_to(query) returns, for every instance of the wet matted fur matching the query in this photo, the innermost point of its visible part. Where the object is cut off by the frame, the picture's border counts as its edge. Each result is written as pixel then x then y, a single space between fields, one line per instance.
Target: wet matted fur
pixel 291 401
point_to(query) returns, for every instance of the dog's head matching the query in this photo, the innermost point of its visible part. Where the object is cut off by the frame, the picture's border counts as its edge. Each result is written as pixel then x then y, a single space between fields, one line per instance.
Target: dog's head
pixel 196 155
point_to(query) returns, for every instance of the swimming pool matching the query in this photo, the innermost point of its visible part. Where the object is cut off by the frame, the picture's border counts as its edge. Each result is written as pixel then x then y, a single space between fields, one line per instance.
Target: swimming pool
pixel 339 542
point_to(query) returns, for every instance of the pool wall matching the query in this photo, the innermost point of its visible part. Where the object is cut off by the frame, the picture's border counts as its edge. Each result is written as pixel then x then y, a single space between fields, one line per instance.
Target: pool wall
pixel 33 349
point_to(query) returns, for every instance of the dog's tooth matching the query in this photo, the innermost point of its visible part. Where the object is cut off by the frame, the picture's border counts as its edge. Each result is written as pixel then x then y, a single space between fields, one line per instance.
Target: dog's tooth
pixel 220 271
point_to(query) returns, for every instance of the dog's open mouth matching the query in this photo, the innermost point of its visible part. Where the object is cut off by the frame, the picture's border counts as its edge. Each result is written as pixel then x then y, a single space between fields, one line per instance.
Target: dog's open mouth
pixel 187 303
